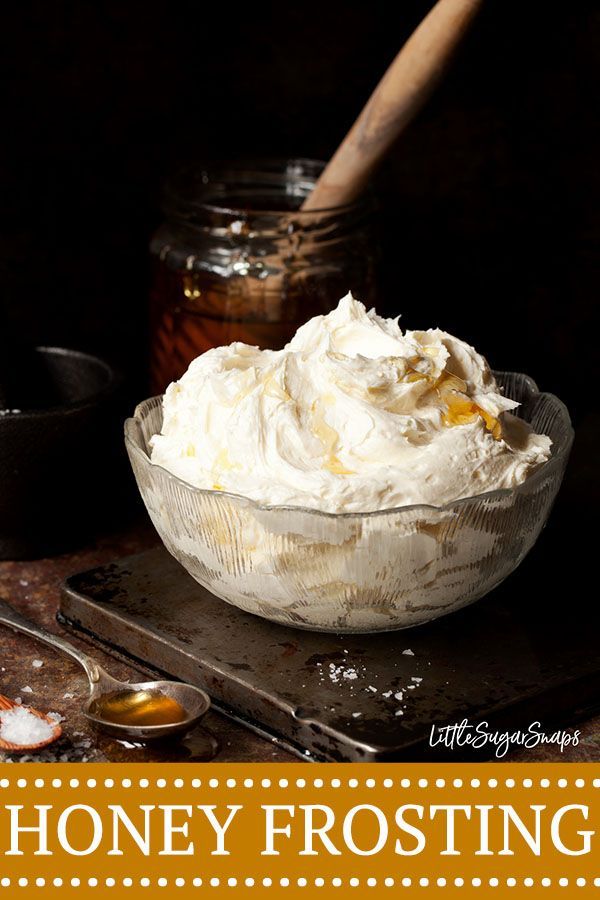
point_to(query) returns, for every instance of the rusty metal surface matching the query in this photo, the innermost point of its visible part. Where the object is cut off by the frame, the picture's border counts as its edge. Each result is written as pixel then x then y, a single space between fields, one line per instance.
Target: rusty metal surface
pixel 363 698
pixel 60 685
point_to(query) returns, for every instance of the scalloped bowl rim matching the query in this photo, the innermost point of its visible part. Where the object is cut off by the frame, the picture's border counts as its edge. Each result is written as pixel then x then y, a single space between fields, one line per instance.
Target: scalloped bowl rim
pixel 554 460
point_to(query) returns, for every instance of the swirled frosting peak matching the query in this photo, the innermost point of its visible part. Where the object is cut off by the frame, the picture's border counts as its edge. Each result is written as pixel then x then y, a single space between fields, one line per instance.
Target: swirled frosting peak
pixel 353 415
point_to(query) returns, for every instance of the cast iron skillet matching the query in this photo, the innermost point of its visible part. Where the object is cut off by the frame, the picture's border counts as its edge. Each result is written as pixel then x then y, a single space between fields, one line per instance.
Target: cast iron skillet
pixel 58 437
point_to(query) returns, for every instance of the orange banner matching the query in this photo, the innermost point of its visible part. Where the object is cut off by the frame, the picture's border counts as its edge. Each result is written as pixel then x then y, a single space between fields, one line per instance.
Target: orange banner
pixel 297 827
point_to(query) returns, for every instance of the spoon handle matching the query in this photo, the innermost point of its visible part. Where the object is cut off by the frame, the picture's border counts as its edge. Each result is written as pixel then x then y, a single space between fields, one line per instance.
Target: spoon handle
pixel 393 104
pixel 14 619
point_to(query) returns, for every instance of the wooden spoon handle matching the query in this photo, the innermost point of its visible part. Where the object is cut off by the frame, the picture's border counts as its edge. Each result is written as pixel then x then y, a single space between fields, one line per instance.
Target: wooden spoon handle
pixel 397 98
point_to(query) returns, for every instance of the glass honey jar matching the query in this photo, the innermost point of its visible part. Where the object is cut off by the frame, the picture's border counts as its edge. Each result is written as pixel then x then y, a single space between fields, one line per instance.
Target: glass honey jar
pixel 237 260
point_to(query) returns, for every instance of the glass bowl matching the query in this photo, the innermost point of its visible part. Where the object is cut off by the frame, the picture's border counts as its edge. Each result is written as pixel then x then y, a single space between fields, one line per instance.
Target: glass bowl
pixel 353 572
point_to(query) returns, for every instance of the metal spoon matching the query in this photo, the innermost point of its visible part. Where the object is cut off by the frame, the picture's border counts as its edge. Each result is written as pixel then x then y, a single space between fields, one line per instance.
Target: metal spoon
pixel 195 701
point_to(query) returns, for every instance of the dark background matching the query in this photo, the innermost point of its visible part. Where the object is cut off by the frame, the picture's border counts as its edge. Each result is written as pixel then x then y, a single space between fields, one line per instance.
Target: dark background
pixel 489 205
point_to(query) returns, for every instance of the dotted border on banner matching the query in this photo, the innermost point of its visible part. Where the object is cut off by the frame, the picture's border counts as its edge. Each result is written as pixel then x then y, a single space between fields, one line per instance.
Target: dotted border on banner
pixel 299 783
pixel 299 882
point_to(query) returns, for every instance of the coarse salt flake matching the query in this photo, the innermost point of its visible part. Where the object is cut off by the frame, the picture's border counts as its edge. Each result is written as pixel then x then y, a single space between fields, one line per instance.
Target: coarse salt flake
pixel 19 726
pixel 56 717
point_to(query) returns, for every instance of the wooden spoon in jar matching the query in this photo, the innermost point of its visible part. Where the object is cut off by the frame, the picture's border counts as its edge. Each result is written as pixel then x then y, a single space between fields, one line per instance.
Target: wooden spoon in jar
pixel 402 91
pixel 6 705
pixel 398 97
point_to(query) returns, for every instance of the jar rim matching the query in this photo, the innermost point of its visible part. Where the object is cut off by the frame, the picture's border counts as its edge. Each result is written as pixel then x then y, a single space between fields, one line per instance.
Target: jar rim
pixel 209 179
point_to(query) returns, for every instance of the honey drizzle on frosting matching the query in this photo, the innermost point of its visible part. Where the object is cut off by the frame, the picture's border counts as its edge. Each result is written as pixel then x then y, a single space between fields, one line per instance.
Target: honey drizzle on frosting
pixel 460 409
pixel 329 438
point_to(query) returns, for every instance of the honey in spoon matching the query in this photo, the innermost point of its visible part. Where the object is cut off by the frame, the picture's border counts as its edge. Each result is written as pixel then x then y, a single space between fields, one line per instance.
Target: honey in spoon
pixel 138 708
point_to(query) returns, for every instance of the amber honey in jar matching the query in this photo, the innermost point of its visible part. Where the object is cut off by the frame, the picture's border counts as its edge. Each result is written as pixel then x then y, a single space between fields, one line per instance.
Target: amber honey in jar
pixel 238 260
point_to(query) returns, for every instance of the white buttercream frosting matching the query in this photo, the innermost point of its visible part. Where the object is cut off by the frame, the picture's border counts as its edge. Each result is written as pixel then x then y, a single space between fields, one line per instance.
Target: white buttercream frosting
pixel 353 415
